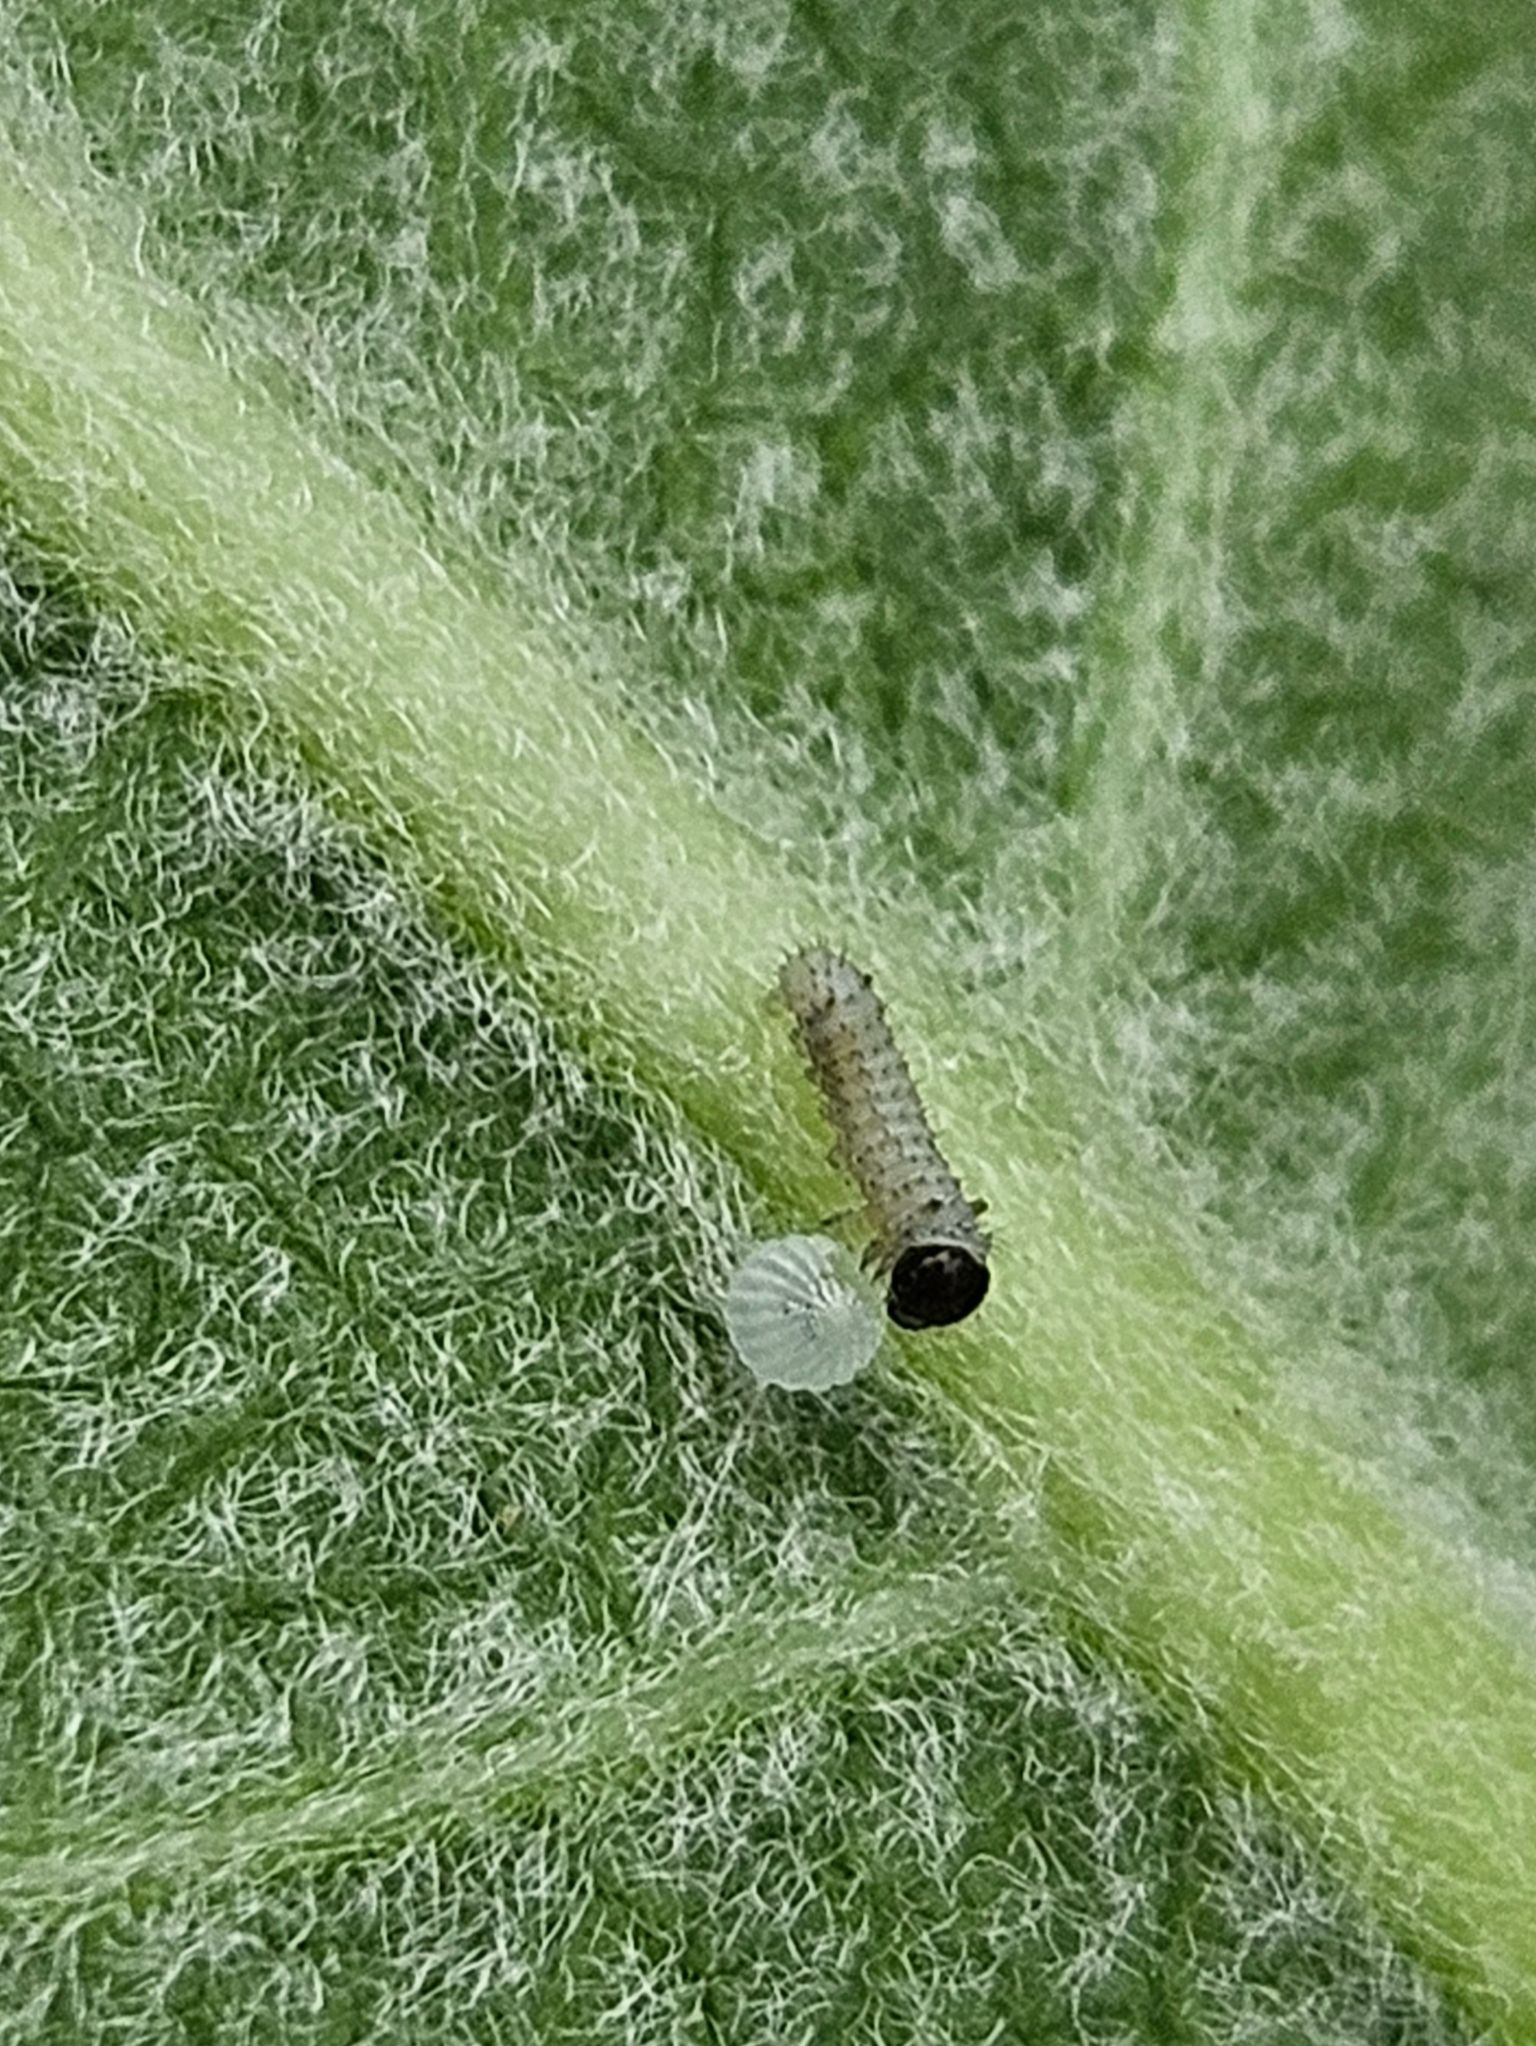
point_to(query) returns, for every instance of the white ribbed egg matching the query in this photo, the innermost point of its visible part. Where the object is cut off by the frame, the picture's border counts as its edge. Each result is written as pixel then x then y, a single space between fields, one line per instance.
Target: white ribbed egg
pixel 799 1314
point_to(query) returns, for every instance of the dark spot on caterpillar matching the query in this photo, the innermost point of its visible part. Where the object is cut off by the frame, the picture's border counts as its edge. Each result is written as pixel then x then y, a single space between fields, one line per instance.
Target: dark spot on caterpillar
pixel 928 1242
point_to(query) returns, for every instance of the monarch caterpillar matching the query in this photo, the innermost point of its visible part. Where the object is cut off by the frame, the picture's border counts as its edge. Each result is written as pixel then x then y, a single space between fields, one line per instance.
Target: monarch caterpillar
pixel 928 1243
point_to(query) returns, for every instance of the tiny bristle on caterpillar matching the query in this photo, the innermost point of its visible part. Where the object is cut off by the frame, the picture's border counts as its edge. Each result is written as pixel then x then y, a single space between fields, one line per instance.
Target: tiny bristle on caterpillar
pixel 928 1243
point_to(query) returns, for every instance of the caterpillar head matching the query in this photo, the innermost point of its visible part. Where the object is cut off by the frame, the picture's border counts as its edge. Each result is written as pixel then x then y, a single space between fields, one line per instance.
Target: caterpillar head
pixel 932 1284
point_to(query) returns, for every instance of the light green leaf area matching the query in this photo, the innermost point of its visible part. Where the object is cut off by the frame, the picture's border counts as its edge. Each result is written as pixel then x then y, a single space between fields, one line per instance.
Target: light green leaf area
pixel 1040 496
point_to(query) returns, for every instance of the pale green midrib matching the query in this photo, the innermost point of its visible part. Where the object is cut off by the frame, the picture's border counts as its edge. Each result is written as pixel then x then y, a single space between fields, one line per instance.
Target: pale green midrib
pixel 591 1732
pixel 1165 584
pixel 1203 1522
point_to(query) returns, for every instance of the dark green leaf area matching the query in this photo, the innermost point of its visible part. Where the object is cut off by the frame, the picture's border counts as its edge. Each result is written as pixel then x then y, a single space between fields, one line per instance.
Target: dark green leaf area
pixel 988 1845
pixel 799 340
pixel 355 1337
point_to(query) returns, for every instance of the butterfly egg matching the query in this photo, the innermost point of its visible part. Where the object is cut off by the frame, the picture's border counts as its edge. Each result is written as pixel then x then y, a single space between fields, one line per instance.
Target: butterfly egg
pixel 797 1314
pixel 928 1243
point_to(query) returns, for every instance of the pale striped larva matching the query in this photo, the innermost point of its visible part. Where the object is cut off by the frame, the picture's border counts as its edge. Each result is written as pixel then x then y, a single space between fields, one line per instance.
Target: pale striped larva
pixel 928 1243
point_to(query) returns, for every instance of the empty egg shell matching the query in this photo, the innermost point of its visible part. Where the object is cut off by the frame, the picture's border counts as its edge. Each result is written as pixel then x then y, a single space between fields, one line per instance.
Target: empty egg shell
pixel 799 1314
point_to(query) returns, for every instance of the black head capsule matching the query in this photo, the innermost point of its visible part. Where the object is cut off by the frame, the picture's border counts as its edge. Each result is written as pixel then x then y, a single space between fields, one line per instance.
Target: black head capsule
pixel 928 1237
pixel 933 1284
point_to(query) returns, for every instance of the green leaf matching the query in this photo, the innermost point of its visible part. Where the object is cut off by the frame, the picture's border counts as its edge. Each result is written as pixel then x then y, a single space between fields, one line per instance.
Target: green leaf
pixel 597 497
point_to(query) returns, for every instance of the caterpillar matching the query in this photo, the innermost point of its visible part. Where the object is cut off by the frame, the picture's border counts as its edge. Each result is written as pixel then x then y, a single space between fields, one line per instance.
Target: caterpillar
pixel 928 1243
